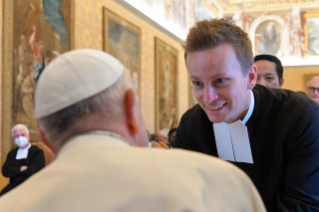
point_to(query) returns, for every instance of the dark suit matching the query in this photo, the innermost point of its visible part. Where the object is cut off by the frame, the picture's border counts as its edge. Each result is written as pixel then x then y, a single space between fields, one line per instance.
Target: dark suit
pixel 11 168
pixel 284 137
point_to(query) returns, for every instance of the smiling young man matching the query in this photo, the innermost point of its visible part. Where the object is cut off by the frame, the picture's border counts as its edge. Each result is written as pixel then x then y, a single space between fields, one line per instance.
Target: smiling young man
pixel 269 71
pixel 270 134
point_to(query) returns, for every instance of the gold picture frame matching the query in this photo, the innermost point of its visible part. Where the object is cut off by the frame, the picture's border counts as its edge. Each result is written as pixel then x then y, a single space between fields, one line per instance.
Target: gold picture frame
pixel 122 39
pixel 22 20
pixel 307 30
pixel 166 87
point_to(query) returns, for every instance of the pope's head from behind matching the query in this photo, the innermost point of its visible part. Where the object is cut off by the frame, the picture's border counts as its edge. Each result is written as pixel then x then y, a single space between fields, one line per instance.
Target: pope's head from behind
pixel 219 59
pixel 87 90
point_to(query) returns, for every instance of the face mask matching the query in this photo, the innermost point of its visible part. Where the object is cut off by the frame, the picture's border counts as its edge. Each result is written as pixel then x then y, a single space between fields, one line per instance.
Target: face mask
pixel 21 141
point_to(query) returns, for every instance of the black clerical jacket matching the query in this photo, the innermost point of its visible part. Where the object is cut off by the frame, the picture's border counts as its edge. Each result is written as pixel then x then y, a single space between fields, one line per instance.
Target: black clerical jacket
pixel 11 168
pixel 284 138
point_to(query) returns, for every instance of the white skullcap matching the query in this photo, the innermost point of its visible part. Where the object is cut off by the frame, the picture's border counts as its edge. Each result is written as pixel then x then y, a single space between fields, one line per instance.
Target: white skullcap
pixel 74 76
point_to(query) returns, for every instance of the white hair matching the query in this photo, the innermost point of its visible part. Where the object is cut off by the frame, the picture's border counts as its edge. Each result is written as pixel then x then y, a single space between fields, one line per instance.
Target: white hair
pixel 18 127
pixel 311 79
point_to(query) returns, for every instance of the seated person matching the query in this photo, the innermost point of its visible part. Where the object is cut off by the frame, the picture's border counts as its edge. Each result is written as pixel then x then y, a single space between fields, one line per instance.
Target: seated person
pixel 21 162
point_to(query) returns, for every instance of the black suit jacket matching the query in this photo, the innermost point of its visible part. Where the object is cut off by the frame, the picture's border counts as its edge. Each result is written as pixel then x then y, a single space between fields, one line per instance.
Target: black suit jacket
pixel 284 137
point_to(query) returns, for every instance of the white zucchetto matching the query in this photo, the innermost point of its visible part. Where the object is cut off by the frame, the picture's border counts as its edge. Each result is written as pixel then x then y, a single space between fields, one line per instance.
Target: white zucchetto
pixel 74 76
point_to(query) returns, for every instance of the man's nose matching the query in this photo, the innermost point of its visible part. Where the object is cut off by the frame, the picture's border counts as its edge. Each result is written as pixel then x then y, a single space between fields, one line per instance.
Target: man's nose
pixel 210 94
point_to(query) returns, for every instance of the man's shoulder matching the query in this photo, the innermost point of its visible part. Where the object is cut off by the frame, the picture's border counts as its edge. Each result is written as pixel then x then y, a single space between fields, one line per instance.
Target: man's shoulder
pixel 13 151
pixel 35 149
pixel 187 161
pixel 279 99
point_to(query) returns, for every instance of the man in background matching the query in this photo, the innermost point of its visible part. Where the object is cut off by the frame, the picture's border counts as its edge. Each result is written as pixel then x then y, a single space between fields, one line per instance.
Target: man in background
pixel 269 71
pixel 160 136
pixel 313 89
pixel 91 117
pixel 23 161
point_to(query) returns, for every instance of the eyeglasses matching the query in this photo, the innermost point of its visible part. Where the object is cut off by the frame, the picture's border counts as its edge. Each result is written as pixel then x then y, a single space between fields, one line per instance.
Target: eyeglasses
pixel 313 89
pixel 172 137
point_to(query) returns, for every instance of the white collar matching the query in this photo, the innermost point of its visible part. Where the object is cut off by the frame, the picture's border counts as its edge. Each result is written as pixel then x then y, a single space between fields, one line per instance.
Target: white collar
pixel 23 153
pixel 232 140
pixel 251 108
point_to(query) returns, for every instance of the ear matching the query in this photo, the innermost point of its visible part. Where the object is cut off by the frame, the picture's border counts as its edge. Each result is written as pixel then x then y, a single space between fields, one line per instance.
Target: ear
pixel 44 140
pixel 130 104
pixel 281 82
pixel 252 77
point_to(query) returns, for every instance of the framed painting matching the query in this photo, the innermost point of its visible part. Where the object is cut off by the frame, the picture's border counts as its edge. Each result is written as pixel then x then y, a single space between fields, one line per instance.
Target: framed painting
pixel 267 38
pixel 166 98
pixel 311 33
pixel 35 32
pixel 122 39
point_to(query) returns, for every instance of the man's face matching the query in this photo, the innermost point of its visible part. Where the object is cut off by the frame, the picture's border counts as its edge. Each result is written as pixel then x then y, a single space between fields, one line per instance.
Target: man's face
pixel 219 85
pixel 21 132
pixel 160 135
pixel 312 89
pixel 267 75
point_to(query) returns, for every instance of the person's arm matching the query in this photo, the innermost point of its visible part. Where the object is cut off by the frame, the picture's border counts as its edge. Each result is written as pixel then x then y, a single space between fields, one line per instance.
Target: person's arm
pixel 37 162
pixel 33 42
pixel 300 190
pixel 9 169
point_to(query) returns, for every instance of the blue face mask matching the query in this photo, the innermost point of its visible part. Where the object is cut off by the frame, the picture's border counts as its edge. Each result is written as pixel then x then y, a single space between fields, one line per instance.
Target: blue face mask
pixel 21 141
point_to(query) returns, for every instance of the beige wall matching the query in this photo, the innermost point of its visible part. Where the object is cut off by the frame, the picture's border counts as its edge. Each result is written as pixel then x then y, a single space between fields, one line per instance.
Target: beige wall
pixel 88 34
pixel 3 181
pixel 294 77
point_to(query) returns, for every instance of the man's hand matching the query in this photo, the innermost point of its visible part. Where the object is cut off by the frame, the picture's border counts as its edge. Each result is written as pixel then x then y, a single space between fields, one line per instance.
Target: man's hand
pixel 23 168
pixel 160 144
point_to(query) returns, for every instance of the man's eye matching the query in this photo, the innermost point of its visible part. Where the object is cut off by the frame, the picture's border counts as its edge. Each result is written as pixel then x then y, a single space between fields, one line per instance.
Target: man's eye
pixel 222 80
pixel 196 83
pixel 269 78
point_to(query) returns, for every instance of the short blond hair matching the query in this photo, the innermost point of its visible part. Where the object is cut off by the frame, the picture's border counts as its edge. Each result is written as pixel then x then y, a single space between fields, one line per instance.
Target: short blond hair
pixel 208 34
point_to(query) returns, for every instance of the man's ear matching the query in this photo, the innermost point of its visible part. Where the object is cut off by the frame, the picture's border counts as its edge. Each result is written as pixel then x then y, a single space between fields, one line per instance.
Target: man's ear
pixel 252 77
pixel 281 82
pixel 44 140
pixel 129 107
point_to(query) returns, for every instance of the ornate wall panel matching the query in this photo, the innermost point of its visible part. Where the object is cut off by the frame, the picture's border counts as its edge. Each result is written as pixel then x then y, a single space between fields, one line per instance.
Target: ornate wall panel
pixel 88 34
